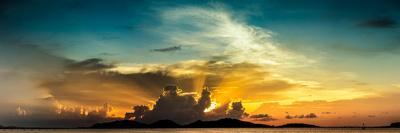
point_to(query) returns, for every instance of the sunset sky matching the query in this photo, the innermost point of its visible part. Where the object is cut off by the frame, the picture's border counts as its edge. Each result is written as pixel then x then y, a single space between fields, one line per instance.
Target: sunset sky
pixel 70 63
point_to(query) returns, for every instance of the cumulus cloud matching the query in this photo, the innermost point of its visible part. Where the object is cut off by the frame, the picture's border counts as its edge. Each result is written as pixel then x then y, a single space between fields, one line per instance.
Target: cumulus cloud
pixel 170 105
pixel 178 107
pixel 237 110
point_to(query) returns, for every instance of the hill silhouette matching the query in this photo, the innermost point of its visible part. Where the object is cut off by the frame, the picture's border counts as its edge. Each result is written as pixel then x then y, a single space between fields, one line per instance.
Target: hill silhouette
pixel 120 124
pixel 164 124
pixel 297 125
pixel 222 123
pixel 225 123
pixel 8 127
pixel 396 125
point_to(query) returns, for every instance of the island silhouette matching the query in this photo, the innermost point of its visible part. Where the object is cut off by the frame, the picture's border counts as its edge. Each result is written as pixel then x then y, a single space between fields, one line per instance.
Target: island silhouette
pixel 221 123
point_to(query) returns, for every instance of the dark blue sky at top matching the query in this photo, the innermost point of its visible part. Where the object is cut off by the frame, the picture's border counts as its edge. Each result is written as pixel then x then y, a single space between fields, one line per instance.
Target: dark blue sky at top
pixel 363 26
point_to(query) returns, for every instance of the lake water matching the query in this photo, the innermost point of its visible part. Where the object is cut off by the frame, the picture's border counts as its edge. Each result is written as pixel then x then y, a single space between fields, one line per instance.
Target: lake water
pixel 208 130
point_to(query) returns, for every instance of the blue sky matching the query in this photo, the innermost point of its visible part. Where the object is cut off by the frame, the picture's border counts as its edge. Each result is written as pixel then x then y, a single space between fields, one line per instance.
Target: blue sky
pixel 74 25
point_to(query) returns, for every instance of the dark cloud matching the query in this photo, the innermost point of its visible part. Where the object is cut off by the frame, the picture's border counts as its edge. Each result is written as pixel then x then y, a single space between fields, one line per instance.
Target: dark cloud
pixel 168 49
pixel 289 117
pixel 259 116
pixel 311 115
pixel 171 106
pixel 237 110
pixel 204 101
pixel 384 22
pixel 88 65
pixel 306 116
pixel 92 88
pixel 183 109
pixel 262 117
pixel 138 114
pixel 218 113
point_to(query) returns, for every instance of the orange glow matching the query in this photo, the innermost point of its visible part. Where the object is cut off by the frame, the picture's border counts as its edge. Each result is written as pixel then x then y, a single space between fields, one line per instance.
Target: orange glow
pixel 212 107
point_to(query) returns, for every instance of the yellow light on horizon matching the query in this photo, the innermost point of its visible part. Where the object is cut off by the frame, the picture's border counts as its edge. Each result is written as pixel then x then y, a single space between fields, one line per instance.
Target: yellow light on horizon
pixel 212 107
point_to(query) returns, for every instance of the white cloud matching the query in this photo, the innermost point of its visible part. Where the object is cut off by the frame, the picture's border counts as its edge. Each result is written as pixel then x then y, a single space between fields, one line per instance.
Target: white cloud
pixel 214 31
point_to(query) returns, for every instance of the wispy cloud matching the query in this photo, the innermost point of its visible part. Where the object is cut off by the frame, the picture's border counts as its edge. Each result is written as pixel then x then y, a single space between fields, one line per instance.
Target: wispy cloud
pixel 384 22
pixel 167 49
pixel 216 31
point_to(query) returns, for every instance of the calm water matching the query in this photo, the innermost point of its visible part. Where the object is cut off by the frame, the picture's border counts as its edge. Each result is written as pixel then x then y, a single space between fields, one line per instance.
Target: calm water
pixel 224 130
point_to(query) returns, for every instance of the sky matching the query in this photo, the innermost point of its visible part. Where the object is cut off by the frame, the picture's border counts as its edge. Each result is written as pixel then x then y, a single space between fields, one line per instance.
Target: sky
pixel 71 63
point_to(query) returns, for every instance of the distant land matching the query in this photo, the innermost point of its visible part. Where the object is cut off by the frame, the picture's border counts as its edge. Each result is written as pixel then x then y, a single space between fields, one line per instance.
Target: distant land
pixel 8 127
pixel 222 123
pixel 396 125
pixel 297 125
